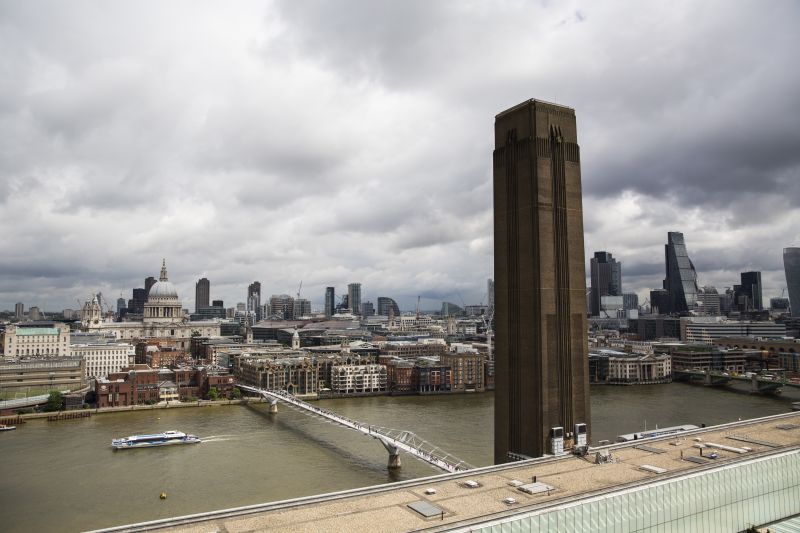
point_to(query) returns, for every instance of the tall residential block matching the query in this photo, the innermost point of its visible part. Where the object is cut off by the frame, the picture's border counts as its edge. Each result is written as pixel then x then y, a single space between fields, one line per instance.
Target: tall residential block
pixel 681 279
pixel 606 276
pixel 202 294
pixel 330 301
pixel 354 297
pixel 791 265
pixel 541 353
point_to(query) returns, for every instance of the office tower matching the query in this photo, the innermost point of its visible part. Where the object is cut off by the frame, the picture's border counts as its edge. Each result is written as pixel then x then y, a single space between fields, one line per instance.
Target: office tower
pixel 791 265
pixel 120 305
pixel 779 304
pixel 19 310
pixel 630 300
pixel 709 300
pixel 343 307
pixel 659 302
pixel 747 295
pixel 726 301
pixel 490 293
pixel 136 305
pixel 149 281
pixel 386 304
pixel 367 309
pixel 606 275
pixel 681 280
pixel 217 303
pixel 302 307
pixel 281 306
pixel 354 297
pixel 254 299
pixel 541 359
pixel 202 293
pixel 330 301
pixel 451 309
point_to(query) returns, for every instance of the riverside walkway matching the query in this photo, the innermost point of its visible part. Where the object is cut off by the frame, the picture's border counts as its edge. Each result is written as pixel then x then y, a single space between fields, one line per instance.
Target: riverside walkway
pixel 394 440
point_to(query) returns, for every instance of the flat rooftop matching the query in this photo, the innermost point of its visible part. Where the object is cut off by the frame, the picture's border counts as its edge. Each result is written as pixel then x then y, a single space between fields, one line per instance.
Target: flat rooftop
pixel 450 501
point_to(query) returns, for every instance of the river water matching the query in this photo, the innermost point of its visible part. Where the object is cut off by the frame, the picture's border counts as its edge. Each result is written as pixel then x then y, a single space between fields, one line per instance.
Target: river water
pixel 64 476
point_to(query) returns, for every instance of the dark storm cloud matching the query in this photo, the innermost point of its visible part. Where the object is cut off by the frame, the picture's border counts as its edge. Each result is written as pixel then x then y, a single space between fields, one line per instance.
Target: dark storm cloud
pixel 648 270
pixel 338 142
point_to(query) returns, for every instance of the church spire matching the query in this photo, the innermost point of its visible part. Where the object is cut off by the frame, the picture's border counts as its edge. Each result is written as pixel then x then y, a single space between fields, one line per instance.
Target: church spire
pixel 163 276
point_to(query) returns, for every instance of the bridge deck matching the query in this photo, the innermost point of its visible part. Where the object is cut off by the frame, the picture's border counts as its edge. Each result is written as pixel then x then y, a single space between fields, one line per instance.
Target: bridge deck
pixel 395 439
pixel 385 507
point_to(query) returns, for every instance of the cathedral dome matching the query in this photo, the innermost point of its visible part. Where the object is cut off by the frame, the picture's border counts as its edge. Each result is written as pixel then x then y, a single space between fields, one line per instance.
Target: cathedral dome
pixel 163 289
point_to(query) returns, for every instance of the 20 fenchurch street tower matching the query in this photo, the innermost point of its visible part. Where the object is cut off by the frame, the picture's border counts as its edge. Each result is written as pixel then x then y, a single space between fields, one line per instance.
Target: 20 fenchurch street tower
pixel 541 360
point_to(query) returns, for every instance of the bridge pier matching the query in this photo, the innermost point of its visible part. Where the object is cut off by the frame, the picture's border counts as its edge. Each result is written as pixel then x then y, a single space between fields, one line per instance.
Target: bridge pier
pixel 394 461
pixel 394 455
pixel 273 406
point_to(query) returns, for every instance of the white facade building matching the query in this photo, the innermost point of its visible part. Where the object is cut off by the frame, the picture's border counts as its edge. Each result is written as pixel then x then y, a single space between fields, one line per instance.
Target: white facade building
pixel 353 379
pixel 631 369
pixel 36 340
pixel 104 358
pixel 707 329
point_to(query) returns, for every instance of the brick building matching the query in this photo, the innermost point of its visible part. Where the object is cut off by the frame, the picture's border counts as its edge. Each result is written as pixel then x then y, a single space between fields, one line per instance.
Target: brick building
pixel 399 374
pixel 432 379
pixel 468 371
pixel 296 375
pixel 708 358
pixel 160 353
pixel 141 385
pixel 412 350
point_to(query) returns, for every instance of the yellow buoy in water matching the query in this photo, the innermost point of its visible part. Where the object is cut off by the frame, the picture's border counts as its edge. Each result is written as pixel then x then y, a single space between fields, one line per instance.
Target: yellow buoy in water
pixel 163 495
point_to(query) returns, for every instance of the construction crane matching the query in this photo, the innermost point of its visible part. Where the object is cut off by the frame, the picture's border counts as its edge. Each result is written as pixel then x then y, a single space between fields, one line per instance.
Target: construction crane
pixel 299 288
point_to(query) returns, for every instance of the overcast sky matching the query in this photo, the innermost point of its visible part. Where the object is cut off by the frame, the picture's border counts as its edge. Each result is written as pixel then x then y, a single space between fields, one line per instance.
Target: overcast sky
pixel 333 142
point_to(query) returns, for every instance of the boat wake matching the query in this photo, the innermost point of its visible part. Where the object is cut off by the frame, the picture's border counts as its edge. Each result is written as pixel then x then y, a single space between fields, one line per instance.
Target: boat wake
pixel 217 438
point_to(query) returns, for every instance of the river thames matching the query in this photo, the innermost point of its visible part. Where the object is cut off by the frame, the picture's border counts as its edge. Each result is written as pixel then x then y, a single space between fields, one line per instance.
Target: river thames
pixel 64 476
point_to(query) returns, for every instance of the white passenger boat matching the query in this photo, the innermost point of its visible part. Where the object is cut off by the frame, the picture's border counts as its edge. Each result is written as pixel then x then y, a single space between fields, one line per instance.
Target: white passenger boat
pixel 157 439
pixel 655 433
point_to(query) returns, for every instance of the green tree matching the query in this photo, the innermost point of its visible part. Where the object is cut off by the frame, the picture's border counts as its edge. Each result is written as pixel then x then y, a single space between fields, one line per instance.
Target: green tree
pixel 55 402
pixel 237 393
pixel 213 394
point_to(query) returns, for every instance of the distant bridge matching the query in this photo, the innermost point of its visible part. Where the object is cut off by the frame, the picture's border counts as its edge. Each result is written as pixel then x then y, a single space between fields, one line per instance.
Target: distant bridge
pixel 393 440
pixel 715 379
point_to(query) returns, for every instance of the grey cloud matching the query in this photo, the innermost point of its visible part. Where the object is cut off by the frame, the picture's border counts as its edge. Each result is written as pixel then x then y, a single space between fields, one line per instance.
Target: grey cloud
pixel 352 141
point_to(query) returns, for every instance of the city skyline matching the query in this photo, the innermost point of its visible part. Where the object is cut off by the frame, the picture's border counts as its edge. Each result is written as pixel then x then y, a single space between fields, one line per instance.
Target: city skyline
pixel 110 164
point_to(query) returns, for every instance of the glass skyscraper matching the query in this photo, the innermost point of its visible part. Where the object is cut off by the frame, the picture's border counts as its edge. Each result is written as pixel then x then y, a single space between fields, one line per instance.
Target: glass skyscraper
pixel 681 280
pixel 791 264
pixel 606 275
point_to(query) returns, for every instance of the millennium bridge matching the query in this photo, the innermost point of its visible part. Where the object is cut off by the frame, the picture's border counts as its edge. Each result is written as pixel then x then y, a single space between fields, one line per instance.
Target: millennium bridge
pixel 394 440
